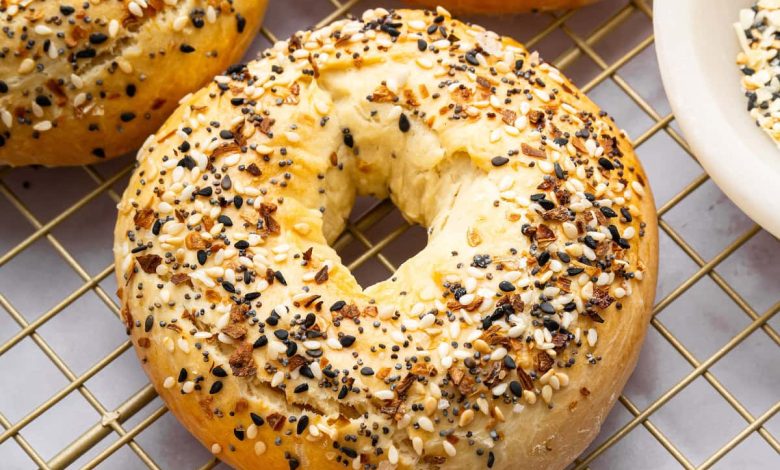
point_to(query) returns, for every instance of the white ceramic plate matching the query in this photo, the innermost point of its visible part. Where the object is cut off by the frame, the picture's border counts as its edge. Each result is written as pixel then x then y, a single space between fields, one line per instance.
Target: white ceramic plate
pixel 697 46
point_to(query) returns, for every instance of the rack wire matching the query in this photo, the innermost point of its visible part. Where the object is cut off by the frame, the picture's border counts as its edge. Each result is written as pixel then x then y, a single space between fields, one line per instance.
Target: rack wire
pixel 364 243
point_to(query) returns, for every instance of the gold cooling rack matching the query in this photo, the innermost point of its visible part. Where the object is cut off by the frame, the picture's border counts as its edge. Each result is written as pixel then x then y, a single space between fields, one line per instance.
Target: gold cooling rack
pixel 119 427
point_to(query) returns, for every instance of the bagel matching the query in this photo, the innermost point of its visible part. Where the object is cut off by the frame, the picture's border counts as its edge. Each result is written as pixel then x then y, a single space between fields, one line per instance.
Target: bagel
pixel 502 344
pixel 501 6
pixel 81 81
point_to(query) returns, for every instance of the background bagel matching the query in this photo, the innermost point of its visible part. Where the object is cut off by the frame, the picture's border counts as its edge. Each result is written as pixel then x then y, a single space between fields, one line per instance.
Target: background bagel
pixel 504 343
pixel 501 6
pixel 79 84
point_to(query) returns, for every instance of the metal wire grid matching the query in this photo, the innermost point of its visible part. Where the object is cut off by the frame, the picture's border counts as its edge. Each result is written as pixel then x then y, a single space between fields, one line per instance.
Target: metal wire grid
pixel 113 420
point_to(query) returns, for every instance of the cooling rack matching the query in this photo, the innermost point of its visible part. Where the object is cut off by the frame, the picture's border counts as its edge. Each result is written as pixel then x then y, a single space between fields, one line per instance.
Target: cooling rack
pixel 704 392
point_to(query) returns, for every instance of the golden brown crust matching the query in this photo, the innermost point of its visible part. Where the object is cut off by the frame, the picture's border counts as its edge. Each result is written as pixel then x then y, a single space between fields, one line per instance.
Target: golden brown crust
pixel 542 249
pixel 98 81
pixel 501 6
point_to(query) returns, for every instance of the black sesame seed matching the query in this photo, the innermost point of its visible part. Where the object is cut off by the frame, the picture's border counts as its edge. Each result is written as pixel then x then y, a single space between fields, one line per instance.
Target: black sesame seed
pixel 403 123
pixel 130 91
pixel 626 214
pixel 226 134
pixel 349 452
pixel 257 419
pixel 471 58
pixel 509 363
pixel 239 433
pixel 43 100
pixel 347 340
pixel 260 342
pixel 367 371
pixel 293 463
pixel 491 459
pixel 337 306
pixel 422 45
pixel 97 38
pixel 608 212
pixel 606 164
pixel 229 287
pixel 558 171
pixel 3 87
pixel 127 117
pixel 543 258
pixel 67 10
pixel 148 323
pixel 547 307
pixel 206 192
pixel 343 392
pixel 499 161
pixel 202 256
pixel 506 286
pixel 242 244
pixel 240 23
pixel 574 271
pixel 87 53
pixel 303 423
pixel 99 152
pixel 182 375
pixel 516 388
pixel 349 141
pixel 590 242
pixel 304 387
pixel 219 371
pixel 551 324
pixel 215 387
pixel 225 220
pixel 281 334
pixel 186 48
pixel 280 277
pixel 546 204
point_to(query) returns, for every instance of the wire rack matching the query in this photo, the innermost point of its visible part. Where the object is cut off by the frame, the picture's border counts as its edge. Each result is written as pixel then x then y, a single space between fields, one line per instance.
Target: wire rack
pixel 705 391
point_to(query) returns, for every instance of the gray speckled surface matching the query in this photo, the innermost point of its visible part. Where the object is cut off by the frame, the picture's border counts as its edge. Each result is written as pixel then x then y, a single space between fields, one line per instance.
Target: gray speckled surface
pixel 698 420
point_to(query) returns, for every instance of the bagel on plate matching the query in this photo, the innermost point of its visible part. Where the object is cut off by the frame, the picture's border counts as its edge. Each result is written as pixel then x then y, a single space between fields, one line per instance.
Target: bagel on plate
pixel 82 81
pixel 503 344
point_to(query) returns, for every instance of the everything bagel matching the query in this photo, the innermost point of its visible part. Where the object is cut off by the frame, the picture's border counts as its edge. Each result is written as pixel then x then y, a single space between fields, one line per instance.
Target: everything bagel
pixel 502 344
pixel 82 81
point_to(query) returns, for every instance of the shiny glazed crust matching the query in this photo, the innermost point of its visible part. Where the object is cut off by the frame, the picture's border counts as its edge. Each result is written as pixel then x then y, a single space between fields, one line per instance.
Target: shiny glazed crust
pixel 503 344
pixel 98 80
pixel 501 6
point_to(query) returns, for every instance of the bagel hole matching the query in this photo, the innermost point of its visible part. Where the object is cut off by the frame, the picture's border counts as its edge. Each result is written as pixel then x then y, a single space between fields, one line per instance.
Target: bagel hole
pixel 402 247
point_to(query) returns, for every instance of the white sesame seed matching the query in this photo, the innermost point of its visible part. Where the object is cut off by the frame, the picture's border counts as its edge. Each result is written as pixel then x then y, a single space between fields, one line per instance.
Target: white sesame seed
pixel 449 448
pixel 43 30
pixel 42 126
pixel 417 444
pixel 135 9
pixel 169 382
pixel 277 379
pixel 27 66
pixel 384 394
pixel 113 28
pixel 260 448
pixel 215 448
pixel 592 337
pixel 392 455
